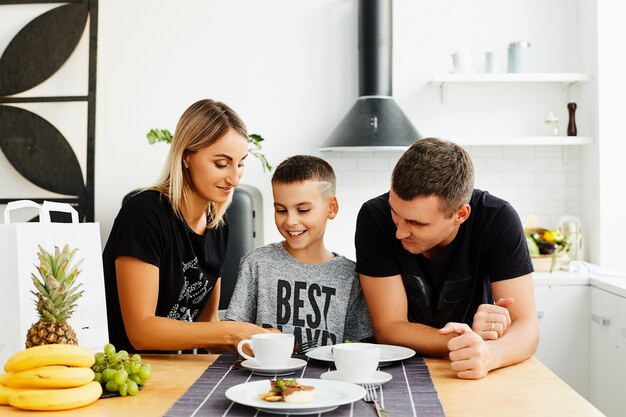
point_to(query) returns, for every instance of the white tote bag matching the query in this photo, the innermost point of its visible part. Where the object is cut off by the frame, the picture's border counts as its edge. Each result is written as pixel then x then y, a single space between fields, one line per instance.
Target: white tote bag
pixel 18 258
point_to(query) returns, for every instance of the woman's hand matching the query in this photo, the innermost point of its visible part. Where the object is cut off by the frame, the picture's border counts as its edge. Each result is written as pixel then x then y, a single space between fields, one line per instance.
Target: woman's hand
pixel 240 331
pixel 236 332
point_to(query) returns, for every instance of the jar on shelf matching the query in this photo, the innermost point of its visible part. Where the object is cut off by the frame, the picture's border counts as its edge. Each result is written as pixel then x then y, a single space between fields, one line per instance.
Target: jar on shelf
pixel 551 125
pixel 520 57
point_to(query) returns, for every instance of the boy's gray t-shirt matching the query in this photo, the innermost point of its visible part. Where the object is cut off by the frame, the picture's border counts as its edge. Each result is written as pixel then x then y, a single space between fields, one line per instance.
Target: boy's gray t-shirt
pixel 314 302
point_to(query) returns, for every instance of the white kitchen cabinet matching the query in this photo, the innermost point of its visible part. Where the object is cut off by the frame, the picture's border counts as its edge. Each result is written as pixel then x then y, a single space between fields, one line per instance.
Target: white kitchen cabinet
pixel 604 381
pixel 563 312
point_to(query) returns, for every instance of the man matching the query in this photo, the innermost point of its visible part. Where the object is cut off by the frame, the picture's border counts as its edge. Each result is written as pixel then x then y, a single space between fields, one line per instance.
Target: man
pixel 433 253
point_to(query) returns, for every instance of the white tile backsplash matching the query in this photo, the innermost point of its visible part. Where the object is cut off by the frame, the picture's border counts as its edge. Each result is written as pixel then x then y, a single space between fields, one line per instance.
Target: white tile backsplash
pixel 542 181
pixel 373 164
pixel 357 178
pixel 565 164
pixel 518 152
pixel 530 164
pixel 383 178
pixel 517 179
pixel 501 165
pixel 551 178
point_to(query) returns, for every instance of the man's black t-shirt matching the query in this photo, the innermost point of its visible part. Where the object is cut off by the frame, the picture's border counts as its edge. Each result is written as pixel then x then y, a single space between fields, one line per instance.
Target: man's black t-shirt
pixel 490 246
pixel 189 264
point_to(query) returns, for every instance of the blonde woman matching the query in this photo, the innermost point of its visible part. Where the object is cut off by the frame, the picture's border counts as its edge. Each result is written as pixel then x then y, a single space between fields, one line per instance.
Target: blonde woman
pixel 163 260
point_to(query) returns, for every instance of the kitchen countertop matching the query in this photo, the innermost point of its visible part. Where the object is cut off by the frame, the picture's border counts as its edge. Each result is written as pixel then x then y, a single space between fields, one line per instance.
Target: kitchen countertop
pixel 525 389
pixel 614 283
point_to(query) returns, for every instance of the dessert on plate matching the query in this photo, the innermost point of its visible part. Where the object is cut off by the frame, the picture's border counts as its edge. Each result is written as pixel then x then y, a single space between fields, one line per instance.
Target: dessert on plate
pixel 288 390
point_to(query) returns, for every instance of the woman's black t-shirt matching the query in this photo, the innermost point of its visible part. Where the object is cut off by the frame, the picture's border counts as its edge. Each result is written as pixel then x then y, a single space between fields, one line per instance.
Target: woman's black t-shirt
pixel 189 264
pixel 490 246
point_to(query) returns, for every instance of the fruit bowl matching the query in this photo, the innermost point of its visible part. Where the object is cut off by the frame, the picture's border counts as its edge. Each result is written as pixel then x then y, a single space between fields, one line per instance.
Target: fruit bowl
pixel 543 263
pixel 548 248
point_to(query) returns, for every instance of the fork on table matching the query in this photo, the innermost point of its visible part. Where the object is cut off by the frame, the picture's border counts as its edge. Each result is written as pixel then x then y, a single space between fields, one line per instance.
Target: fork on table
pixel 302 348
pixel 371 397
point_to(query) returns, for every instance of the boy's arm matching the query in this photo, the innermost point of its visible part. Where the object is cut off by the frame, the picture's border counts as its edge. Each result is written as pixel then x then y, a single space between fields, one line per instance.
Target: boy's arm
pixel 243 302
pixel 387 302
pixel 358 325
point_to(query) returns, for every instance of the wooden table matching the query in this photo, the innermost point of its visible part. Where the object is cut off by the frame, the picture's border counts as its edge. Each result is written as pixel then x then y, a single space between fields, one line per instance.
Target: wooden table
pixel 526 389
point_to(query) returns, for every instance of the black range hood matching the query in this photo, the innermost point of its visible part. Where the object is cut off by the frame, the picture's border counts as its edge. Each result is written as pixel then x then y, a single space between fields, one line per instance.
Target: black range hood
pixel 375 121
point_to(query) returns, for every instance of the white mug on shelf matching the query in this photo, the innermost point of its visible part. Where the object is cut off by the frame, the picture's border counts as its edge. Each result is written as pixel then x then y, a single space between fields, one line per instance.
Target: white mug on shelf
pixel 271 350
pixel 462 61
pixel 492 62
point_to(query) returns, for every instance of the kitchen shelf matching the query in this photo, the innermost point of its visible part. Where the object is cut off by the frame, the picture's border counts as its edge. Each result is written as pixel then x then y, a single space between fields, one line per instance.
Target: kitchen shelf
pixel 568 78
pixel 524 140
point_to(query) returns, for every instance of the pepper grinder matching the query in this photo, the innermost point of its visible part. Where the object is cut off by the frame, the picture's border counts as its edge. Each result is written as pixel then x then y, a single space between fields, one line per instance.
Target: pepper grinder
pixel 571 126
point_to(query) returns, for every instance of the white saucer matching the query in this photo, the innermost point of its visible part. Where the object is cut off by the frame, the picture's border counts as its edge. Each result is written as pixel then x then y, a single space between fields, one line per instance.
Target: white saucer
pixel 292 365
pixel 378 378
pixel 388 354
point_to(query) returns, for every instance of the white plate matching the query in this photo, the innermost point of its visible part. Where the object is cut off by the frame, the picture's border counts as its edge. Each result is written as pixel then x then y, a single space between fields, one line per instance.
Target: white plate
pixel 378 378
pixel 292 365
pixel 388 354
pixel 328 396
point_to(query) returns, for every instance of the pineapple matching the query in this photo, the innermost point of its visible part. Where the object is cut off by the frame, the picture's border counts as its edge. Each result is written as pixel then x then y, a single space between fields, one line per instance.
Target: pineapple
pixel 56 298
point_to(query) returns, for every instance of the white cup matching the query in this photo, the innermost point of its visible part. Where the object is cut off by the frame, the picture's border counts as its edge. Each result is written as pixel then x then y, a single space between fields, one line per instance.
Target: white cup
pixel 271 350
pixel 462 61
pixel 492 62
pixel 356 362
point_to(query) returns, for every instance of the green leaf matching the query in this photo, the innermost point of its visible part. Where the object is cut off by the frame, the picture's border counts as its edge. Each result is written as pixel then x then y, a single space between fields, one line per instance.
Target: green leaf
pixel 47 316
pixel 256 139
pixel 159 135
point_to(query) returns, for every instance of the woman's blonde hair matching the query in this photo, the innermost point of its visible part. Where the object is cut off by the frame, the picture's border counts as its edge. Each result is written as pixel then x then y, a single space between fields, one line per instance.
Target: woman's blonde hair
pixel 201 125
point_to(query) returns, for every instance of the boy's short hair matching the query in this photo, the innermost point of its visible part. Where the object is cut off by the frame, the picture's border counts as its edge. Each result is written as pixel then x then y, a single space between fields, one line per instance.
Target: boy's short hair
pixel 432 166
pixel 299 168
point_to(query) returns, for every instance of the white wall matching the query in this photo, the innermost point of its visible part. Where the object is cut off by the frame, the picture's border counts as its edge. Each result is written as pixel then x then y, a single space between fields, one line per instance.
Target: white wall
pixel 612 147
pixel 290 70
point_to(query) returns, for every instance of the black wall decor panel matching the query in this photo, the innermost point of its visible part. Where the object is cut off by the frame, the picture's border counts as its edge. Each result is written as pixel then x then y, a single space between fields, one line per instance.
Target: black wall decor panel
pixel 35 148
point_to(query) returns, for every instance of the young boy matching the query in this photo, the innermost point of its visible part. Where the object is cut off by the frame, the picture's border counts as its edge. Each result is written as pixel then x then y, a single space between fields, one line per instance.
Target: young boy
pixel 297 285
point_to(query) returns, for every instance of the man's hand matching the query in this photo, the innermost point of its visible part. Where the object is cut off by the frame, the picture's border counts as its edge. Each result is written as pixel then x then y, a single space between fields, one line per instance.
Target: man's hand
pixel 470 355
pixel 491 321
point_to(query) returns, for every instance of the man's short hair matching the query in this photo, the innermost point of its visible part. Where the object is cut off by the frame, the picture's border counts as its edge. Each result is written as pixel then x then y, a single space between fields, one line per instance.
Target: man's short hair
pixel 432 166
pixel 301 168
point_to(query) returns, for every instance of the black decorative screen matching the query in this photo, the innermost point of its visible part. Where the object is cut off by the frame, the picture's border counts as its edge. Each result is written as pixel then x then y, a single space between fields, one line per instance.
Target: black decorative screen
pixel 36 148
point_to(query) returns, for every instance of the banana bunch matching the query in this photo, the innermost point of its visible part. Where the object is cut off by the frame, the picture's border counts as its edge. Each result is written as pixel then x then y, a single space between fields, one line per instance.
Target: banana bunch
pixel 49 377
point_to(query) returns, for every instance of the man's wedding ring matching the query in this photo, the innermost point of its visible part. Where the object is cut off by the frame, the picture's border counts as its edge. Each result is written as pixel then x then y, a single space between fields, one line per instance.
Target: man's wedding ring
pixel 493 326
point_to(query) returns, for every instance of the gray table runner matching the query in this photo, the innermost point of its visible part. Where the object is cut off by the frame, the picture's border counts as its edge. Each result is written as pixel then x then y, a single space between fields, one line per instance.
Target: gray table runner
pixel 410 393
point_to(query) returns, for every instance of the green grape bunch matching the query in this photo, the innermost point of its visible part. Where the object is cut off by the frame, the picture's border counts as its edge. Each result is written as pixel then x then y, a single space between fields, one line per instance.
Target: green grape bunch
pixel 119 372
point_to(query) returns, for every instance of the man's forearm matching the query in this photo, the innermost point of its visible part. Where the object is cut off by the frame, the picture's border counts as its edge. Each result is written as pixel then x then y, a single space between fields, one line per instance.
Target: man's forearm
pixel 423 339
